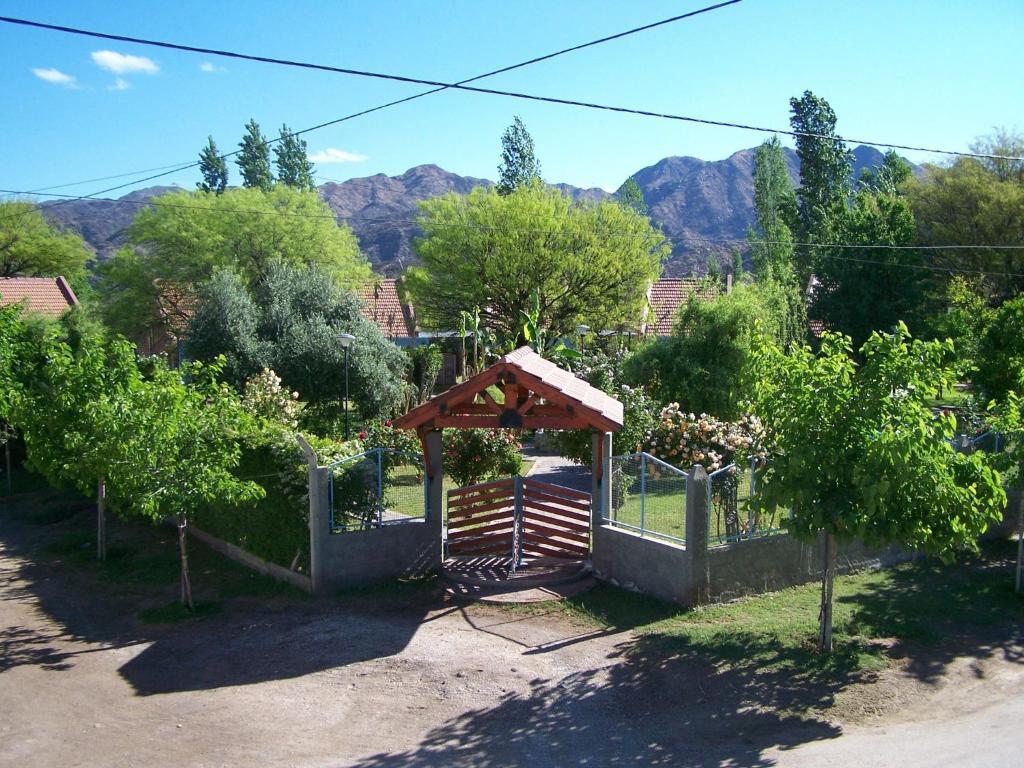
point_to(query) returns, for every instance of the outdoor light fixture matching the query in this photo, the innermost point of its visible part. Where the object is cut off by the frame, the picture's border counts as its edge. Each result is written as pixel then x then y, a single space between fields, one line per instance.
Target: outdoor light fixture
pixel 582 330
pixel 346 340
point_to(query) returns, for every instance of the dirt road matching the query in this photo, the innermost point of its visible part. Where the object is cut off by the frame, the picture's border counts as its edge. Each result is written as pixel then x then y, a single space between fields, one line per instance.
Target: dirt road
pixel 319 683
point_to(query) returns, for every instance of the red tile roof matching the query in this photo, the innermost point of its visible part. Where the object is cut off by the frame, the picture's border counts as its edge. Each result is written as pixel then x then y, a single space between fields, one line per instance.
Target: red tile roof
pixel 46 295
pixel 382 305
pixel 669 294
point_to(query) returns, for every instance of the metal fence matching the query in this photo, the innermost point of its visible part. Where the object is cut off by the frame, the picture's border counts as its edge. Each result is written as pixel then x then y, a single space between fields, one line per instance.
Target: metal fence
pixel 648 496
pixel 377 488
pixel 987 442
pixel 731 517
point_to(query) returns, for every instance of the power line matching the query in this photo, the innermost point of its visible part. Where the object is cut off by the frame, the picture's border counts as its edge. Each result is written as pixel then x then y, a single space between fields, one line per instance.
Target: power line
pixel 501 70
pixel 490 91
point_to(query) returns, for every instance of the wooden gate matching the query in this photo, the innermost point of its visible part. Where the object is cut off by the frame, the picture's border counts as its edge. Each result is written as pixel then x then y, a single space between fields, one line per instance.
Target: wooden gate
pixel 519 517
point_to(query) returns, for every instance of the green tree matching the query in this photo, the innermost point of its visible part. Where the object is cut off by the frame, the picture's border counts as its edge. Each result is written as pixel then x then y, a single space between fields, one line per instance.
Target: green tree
pixel 589 263
pixel 293 166
pixel 964 315
pixel 289 321
pixel 969 204
pixel 1000 356
pixel 714 273
pixel 825 165
pixel 631 196
pixel 254 159
pixel 706 364
pixel 31 247
pixel 1007 144
pixel 775 212
pixel 180 433
pixel 213 168
pixel 862 290
pixel 859 455
pixel 183 238
pixel 888 177
pixel 519 165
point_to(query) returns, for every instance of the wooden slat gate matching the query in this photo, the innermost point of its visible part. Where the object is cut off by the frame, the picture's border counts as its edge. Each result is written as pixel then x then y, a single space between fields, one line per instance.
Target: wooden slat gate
pixel 519 517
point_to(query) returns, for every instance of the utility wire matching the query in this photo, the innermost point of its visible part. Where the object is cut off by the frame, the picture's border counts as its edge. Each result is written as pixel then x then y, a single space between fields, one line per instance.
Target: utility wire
pixel 490 91
pixel 185 166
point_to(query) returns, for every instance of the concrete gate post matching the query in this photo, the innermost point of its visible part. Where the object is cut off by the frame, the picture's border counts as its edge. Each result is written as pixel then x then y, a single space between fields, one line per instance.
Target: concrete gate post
pixel 600 477
pixel 698 486
pixel 434 512
pixel 319 514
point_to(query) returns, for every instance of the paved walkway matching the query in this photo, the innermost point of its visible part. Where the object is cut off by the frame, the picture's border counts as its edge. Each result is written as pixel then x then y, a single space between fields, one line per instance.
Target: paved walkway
pixel 558 470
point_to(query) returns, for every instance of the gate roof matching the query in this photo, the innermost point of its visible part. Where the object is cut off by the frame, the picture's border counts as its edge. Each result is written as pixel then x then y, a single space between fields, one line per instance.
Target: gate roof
pixel 537 394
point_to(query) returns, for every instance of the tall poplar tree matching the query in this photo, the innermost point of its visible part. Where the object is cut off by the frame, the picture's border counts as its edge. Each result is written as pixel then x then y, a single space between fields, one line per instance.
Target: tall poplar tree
pixel 293 166
pixel 519 165
pixel 825 166
pixel 213 168
pixel 254 159
pixel 775 208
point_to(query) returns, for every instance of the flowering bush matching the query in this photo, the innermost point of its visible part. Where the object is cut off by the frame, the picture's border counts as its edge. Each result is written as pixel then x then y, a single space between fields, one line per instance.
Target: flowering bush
pixel 382 434
pixel 474 455
pixel 683 439
pixel 272 405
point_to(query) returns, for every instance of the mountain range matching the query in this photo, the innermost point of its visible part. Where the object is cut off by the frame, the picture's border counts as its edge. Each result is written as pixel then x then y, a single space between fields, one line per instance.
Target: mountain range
pixel 704 207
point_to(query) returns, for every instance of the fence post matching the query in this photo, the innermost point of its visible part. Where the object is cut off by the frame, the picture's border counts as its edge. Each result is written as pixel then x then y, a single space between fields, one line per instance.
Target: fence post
pixel 380 487
pixel 698 490
pixel 753 490
pixel 643 490
pixel 517 523
pixel 319 514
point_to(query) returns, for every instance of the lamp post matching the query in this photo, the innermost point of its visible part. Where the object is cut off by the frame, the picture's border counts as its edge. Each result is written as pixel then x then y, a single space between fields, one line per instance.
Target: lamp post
pixel 346 340
pixel 582 330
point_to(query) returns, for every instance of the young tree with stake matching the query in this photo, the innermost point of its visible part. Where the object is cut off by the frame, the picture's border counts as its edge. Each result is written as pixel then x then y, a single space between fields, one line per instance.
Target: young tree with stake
pixel 859 455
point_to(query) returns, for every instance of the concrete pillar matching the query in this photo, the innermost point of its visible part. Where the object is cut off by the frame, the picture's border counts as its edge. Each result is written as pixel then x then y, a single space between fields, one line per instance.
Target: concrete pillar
pixel 319 514
pixel 697 518
pixel 596 444
pixel 605 506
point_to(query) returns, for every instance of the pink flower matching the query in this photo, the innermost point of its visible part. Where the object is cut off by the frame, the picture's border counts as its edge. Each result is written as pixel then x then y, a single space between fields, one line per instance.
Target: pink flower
pixel 362 435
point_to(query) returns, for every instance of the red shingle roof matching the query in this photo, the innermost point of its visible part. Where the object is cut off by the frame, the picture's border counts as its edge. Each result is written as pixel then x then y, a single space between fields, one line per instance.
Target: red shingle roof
pixel 382 305
pixel 50 296
pixel 669 294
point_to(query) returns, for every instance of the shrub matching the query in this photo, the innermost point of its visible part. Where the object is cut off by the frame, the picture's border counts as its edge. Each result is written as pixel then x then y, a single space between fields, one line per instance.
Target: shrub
pixel 683 439
pixel 472 456
pixel 1001 351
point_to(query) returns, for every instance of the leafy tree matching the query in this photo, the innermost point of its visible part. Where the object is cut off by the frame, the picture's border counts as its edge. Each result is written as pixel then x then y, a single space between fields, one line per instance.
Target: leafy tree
pixel 254 159
pixel 714 273
pixel 1001 352
pixel 824 174
pixel 862 290
pixel 73 417
pixel 588 263
pixel 775 212
pixel 519 165
pixel 965 317
pixel 1007 418
pixel 630 196
pixel 888 177
pixel 214 169
pixel 180 434
pixel 293 166
pixel 1005 143
pixel 184 238
pixel 31 247
pixel 289 321
pixel 858 454
pixel 706 364
pixel 969 204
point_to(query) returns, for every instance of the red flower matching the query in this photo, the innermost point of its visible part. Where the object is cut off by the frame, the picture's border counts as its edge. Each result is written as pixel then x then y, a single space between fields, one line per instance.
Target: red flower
pixel 362 434
pixel 387 423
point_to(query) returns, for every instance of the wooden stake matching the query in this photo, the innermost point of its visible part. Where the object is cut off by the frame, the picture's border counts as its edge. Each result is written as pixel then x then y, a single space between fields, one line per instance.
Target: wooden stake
pixel 186 583
pixel 101 519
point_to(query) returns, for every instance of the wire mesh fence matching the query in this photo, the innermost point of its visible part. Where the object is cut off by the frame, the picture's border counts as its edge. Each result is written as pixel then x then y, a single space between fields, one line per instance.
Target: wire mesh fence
pixel 377 488
pixel 731 516
pixel 647 496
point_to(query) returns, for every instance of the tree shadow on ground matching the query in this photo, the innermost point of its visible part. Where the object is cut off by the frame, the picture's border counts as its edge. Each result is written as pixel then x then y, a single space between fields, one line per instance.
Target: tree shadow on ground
pixel 93 607
pixel 653 701
pixel 938 613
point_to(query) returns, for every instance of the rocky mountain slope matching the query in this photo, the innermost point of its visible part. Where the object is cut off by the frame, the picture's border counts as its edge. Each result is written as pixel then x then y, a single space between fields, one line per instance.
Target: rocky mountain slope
pixel 704 207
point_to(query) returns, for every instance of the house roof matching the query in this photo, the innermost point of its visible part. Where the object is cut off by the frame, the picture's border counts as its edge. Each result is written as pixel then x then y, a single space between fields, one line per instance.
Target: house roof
pixel 50 296
pixel 669 294
pixel 383 306
pixel 537 394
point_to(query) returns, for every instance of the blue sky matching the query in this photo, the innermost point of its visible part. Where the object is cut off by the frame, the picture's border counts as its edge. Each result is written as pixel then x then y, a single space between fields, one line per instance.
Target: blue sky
pixel 935 73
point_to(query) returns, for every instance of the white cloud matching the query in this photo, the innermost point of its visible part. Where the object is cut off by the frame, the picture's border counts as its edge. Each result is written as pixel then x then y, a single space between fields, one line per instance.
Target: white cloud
pixel 123 63
pixel 119 85
pixel 207 66
pixel 55 76
pixel 334 155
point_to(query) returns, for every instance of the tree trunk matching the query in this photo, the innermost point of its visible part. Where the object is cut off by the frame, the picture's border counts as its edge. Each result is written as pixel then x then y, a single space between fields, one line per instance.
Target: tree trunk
pixel 186 582
pixel 1020 532
pixel 828 575
pixel 101 519
pixel 7 454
